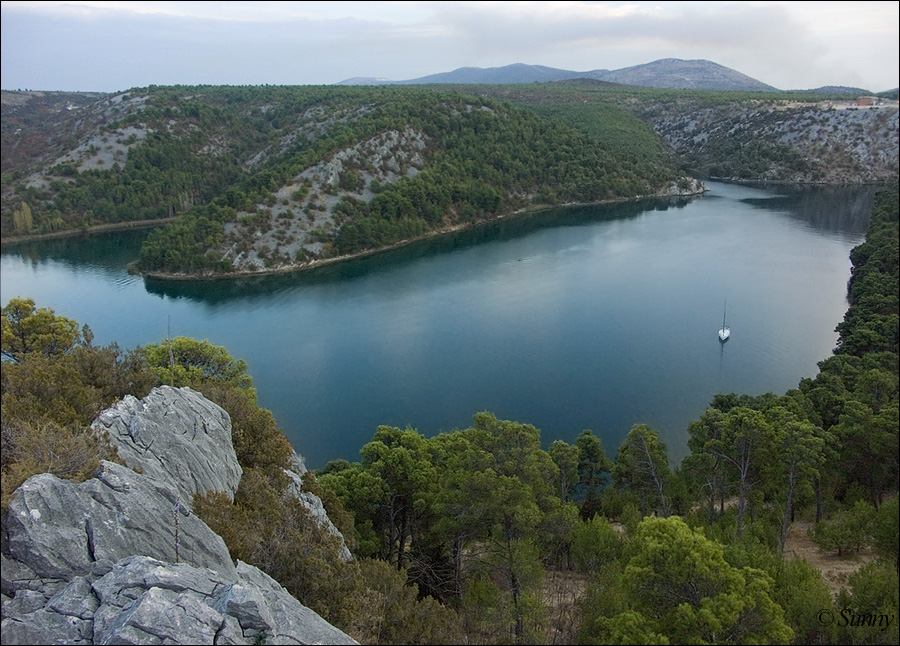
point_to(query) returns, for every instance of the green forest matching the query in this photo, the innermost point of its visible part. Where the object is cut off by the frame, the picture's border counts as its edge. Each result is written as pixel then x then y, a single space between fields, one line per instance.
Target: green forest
pixel 217 156
pixel 273 178
pixel 484 535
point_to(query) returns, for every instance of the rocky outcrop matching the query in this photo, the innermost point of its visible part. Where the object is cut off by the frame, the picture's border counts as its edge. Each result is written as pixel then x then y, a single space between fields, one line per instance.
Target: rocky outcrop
pixel 121 558
pixel 828 142
pixel 684 187
pixel 59 528
pixel 141 600
pixel 312 502
pixel 176 436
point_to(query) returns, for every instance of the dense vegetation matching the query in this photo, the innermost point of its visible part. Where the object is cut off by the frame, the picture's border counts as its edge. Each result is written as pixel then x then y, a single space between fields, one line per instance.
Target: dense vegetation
pixel 240 163
pixel 482 535
pixel 480 158
pixel 272 178
pixel 793 137
pixel 486 520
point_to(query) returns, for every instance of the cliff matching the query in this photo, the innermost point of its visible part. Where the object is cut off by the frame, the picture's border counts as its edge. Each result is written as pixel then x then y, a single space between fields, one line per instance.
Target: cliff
pixel 830 142
pixel 121 558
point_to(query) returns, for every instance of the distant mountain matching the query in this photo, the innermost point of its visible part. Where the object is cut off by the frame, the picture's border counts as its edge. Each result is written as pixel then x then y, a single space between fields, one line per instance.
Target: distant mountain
pixel 516 73
pixel 666 73
pixel 839 89
pixel 677 74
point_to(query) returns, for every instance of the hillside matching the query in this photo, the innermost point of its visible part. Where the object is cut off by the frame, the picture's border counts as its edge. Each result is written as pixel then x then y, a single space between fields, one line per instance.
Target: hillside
pixel 665 73
pixel 682 75
pixel 34 122
pixel 276 177
pixel 802 137
pixel 261 179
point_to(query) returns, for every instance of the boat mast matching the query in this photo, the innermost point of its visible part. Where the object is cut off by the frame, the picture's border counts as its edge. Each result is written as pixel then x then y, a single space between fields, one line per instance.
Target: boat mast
pixel 723 313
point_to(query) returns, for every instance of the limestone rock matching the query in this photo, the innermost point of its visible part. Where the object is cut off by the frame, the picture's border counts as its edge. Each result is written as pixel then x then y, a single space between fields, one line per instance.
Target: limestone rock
pixel 58 529
pixel 175 435
pixel 314 506
pixel 94 562
pixel 145 601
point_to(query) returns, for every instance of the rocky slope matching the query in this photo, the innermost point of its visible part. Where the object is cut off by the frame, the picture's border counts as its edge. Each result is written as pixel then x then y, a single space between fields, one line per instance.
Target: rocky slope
pixel 828 142
pixel 121 558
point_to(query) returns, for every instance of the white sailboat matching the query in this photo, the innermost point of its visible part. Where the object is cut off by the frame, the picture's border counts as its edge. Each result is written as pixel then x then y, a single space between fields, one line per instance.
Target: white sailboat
pixel 725 332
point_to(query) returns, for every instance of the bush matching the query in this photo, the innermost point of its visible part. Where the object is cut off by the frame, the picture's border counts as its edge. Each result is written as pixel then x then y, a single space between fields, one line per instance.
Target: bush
pixel 594 544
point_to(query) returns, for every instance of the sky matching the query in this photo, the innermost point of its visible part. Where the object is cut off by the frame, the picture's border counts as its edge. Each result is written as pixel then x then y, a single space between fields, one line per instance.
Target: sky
pixel 114 46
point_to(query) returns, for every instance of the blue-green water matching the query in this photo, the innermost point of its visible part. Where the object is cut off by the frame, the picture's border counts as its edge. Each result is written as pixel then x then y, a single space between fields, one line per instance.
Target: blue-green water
pixel 593 317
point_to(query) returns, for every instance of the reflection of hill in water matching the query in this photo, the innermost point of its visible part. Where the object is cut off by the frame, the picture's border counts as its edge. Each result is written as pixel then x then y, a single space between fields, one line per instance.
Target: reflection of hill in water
pixel 251 287
pixel 106 252
pixel 839 210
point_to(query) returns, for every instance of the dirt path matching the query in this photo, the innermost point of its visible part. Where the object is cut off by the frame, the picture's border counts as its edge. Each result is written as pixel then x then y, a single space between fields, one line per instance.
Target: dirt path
pixel 836 570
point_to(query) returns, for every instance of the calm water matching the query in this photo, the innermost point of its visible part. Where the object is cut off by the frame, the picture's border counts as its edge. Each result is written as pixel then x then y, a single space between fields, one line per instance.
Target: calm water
pixel 599 317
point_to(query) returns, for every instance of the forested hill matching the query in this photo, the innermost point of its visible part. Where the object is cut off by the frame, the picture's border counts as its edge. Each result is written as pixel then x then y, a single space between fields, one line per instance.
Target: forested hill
pixel 796 137
pixel 274 177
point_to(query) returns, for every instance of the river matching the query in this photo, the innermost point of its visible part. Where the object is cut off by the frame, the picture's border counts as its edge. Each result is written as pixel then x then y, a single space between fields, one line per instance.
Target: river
pixel 594 317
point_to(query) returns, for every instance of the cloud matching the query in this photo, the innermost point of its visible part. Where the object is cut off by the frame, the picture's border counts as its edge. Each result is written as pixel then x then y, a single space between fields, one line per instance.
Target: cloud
pixel 115 45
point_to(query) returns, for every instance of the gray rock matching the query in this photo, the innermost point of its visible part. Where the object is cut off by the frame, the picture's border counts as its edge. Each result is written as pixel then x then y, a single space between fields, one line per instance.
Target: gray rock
pixel 146 601
pixel 290 617
pixel 93 562
pixel 175 435
pixel 59 529
pixel 314 506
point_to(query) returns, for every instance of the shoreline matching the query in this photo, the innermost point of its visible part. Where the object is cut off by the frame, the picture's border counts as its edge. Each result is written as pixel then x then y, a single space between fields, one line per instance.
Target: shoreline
pixel 323 262
pixel 86 231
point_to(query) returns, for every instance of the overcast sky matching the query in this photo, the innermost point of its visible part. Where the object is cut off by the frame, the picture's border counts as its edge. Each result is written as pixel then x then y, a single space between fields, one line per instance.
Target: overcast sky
pixel 111 46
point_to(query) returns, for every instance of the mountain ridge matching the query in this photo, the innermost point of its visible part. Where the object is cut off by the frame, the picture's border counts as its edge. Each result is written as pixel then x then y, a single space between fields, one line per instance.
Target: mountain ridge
pixel 672 73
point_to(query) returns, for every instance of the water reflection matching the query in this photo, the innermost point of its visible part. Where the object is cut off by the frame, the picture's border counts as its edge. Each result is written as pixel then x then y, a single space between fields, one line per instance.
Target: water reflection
pixel 841 211
pixel 105 252
pixel 256 287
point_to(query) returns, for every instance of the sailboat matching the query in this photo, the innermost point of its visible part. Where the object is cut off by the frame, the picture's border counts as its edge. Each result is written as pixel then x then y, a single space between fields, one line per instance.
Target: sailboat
pixel 725 332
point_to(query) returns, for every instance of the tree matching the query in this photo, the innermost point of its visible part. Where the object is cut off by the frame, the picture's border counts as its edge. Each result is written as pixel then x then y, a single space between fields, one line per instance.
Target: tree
pixel 642 466
pixel 592 464
pixel 681 583
pixel 498 495
pixel 402 460
pixel 745 436
pixel 886 533
pixel 849 529
pixel 25 329
pixel 873 599
pixel 595 543
pixel 184 361
pixel 799 452
pixel 868 447
pixel 22 218
pixel 705 462
pixel 802 592
pixel 566 458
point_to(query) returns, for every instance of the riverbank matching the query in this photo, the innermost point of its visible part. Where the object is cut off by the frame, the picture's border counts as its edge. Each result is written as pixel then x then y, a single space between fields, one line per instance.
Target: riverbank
pixel 696 189
pixel 91 230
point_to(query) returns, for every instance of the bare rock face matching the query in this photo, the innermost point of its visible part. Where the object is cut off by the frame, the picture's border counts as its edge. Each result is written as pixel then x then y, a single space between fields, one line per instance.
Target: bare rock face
pixel 120 558
pixel 141 600
pixel 175 435
pixel 59 529
pixel 313 504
